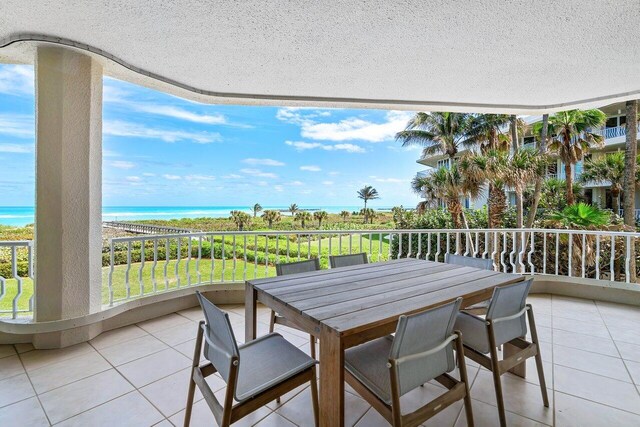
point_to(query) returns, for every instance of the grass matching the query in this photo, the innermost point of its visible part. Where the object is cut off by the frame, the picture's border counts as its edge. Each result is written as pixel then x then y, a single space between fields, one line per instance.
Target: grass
pixel 139 279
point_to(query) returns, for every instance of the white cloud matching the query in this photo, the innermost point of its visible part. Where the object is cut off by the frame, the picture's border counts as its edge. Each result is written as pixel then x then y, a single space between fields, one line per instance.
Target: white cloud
pixel 263 162
pixel 121 128
pixel 16 148
pixel 149 174
pixel 123 164
pixel 262 183
pixel 17 80
pixel 17 125
pixel 258 173
pixel 334 173
pixel 278 188
pixel 388 180
pixel 200 178
pixel 310 168
pixel 232 176
pixel 327 182
pixel 134 179
pixel 352 128
pixel 171 177
pixel 110 153
pixel 296 183
pixel 349 148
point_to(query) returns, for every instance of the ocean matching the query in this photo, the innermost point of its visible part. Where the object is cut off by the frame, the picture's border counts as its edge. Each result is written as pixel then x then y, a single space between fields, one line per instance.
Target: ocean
pixel 21 216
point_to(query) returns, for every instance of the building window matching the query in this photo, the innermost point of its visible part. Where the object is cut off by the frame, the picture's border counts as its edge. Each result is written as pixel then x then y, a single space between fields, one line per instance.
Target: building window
pixel 444 163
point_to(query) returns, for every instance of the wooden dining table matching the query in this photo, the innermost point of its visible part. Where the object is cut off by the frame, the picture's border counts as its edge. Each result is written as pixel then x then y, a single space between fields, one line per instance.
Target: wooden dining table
pixel 347 306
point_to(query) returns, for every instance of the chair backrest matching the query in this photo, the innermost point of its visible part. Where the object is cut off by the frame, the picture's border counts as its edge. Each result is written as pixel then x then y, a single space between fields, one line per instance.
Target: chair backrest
pixel 298 267
pixel 416 345
pixel 220 346
pixel 337 261
pixel 508 301
pixel 469 261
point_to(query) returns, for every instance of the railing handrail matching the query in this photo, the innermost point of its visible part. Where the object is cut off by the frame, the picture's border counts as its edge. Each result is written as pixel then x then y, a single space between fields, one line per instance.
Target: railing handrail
pixel 9 243
pixel 375 231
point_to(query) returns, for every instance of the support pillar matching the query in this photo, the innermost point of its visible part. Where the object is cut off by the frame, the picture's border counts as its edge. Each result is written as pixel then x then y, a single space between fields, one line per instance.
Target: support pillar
pixel 68 232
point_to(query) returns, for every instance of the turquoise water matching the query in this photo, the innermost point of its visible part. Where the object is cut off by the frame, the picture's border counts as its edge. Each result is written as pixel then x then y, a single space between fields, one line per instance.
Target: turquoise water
pixel 20 216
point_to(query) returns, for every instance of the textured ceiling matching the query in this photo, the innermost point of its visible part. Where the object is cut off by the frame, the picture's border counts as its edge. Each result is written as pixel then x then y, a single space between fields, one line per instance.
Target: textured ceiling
pixel 483 55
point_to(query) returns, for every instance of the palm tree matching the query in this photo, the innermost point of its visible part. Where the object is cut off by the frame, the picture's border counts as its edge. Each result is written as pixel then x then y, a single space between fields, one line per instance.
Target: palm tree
pixel 344 215
pixel 293 208
pixel 489 167
pixel 240 219
pixel 271 216
pixel 303 217
pixel 631 152
pixel 581 216
pixel 541 129
pixel 610 168
pixel 367 193
pixel 255 209
pixel 439 133
pixel 573 137
pixel 320 216
pixel 523 166
pixel 486 130
pixel 368 215
pixel 450 184
pixel 423 186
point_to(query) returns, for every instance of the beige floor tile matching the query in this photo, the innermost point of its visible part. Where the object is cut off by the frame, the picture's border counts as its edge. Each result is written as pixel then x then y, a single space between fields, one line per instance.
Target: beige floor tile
pixel 422 395
pixel 130 410
pixel 629 351
pixel 581 327
pixel 14 389
pixel 288 396
pixel 117 336
pixel 187 348
pixel 178 334
pixel 572 411
pixel 26 413
pixel 485 415
pixel 164 423
pixel 163 322
pixel 151 368
pixel 10 366
pixel 193 313
pixel 520 397
pixel 80 396
pixel 38 358
pixel 532 373
pixel 23 347
pixel 64 372
pixel 628 335
pixel 275 420
pixel 544 334
pixel 7 350
pixel 597 388
pixel 169 394
pixel 607 366
pixel 585 342
pixel 201 416
pixel 300 411
pixel 634 370
pixel 373 419
pixel 131 350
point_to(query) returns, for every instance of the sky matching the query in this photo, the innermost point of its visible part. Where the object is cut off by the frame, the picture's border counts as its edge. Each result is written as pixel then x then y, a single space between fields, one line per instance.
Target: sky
pixel 161 150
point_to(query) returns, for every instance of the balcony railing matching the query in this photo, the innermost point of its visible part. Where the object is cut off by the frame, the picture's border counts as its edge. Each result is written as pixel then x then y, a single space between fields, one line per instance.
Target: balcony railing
pixel 139 266
pixel 16 279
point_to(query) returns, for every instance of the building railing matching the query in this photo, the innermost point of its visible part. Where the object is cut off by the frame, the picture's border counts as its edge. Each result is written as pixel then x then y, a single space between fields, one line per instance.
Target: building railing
pixel 145 228
pixel 140 266
pixel 16 279
pixel 636 213
pixel 144 265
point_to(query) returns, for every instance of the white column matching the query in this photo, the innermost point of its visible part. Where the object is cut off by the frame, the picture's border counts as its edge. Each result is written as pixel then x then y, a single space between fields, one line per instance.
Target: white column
pixel 68 184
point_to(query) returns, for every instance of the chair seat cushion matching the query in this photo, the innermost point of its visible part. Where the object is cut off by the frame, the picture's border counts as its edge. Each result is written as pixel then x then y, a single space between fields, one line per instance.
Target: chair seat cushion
pixel 266 362
pixel 474 331
pixel 368 363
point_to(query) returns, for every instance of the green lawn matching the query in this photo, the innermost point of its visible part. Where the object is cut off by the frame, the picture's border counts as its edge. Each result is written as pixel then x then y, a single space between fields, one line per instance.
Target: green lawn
pixel 143 279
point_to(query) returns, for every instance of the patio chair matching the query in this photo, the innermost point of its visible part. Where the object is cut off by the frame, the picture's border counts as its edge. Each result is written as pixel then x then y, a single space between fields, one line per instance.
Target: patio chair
pixel 385 369
pixel 504 323
pixel 467 261
pixel 256 372
pixel 337 261
pixel 294 268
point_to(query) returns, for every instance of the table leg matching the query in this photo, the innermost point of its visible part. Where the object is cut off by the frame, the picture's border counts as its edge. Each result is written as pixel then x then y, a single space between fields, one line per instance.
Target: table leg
pixel 331 379
pixel 250 307
pixel 519 370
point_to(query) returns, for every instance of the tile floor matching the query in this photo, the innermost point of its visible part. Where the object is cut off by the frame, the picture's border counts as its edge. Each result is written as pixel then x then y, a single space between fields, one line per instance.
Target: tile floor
pixel 137 376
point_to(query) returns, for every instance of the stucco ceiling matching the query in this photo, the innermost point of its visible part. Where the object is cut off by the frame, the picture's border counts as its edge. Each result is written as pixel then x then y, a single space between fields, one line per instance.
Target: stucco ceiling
pixel 480 55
